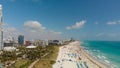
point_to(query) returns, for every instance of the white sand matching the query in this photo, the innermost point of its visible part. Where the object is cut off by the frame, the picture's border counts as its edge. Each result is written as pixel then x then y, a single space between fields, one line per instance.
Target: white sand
pixel 73 56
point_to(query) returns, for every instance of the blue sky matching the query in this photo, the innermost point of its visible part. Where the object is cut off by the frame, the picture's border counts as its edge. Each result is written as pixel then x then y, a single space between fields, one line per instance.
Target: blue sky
pixel 80 19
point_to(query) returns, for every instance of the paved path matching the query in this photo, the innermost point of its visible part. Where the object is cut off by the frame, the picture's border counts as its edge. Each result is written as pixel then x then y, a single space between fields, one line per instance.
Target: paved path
pixel 31 65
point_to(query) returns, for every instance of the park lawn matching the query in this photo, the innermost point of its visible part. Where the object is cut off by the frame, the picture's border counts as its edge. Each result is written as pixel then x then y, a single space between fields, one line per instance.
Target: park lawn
pixel 49 60
pixel 22 63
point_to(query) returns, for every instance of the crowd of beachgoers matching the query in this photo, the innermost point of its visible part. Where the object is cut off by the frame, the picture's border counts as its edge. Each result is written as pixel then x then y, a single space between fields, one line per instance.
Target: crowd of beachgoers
pixel 73 56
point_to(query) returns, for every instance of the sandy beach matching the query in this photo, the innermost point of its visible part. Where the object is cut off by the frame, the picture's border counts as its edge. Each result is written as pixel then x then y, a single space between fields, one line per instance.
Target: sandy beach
pixel 74 56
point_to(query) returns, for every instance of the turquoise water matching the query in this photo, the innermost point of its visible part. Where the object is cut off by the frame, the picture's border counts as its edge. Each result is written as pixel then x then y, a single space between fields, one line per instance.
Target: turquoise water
pixel 107 52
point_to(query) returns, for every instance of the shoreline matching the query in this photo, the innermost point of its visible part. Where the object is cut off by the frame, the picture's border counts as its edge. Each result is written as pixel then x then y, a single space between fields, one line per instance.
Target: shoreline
pixel 93 60
pixel 73 55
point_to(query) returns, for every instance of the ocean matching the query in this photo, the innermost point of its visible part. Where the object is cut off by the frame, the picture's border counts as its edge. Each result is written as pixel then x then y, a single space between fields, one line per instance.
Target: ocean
pixel 107 52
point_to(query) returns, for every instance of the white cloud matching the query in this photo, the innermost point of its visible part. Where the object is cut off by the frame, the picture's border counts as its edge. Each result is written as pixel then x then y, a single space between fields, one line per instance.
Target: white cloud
pixel 76 25
pixel 4 24
pixel 46 34
pixel 10 32
pixel 68 28
pixel 36 30
pixel 12 29
pixel 100 34
pixel 34 25
pixel 112 34
pixel 106 34
pixel 119 21
pixel 96 23
pixel 55 32
pixel 112 23
pixel 0 6
pixel 31 30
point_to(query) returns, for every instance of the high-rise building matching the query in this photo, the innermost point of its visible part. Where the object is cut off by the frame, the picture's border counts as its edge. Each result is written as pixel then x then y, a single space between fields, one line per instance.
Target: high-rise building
pixel 0 14
pixel 20 39
pixel 1 32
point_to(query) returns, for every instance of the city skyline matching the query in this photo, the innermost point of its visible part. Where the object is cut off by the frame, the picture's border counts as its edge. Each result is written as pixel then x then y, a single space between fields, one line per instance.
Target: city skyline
pixel 56 19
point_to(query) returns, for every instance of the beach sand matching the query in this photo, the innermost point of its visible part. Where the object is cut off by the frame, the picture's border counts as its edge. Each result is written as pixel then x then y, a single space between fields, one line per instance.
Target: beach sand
pixel 74 56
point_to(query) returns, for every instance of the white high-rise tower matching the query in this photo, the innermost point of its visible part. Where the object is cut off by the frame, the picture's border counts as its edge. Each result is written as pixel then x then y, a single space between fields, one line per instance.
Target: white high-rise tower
pixel 1 32
pixel 0 14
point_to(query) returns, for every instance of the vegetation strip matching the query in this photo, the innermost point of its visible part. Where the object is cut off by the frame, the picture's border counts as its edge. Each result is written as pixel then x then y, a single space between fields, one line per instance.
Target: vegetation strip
pixel 48 60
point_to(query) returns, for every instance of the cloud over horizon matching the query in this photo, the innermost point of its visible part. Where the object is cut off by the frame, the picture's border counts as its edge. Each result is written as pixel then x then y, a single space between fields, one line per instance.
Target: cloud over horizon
pixel 37 31
pixel 106 34
pixel 32 30
pixel 113 22
pixel 77 25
